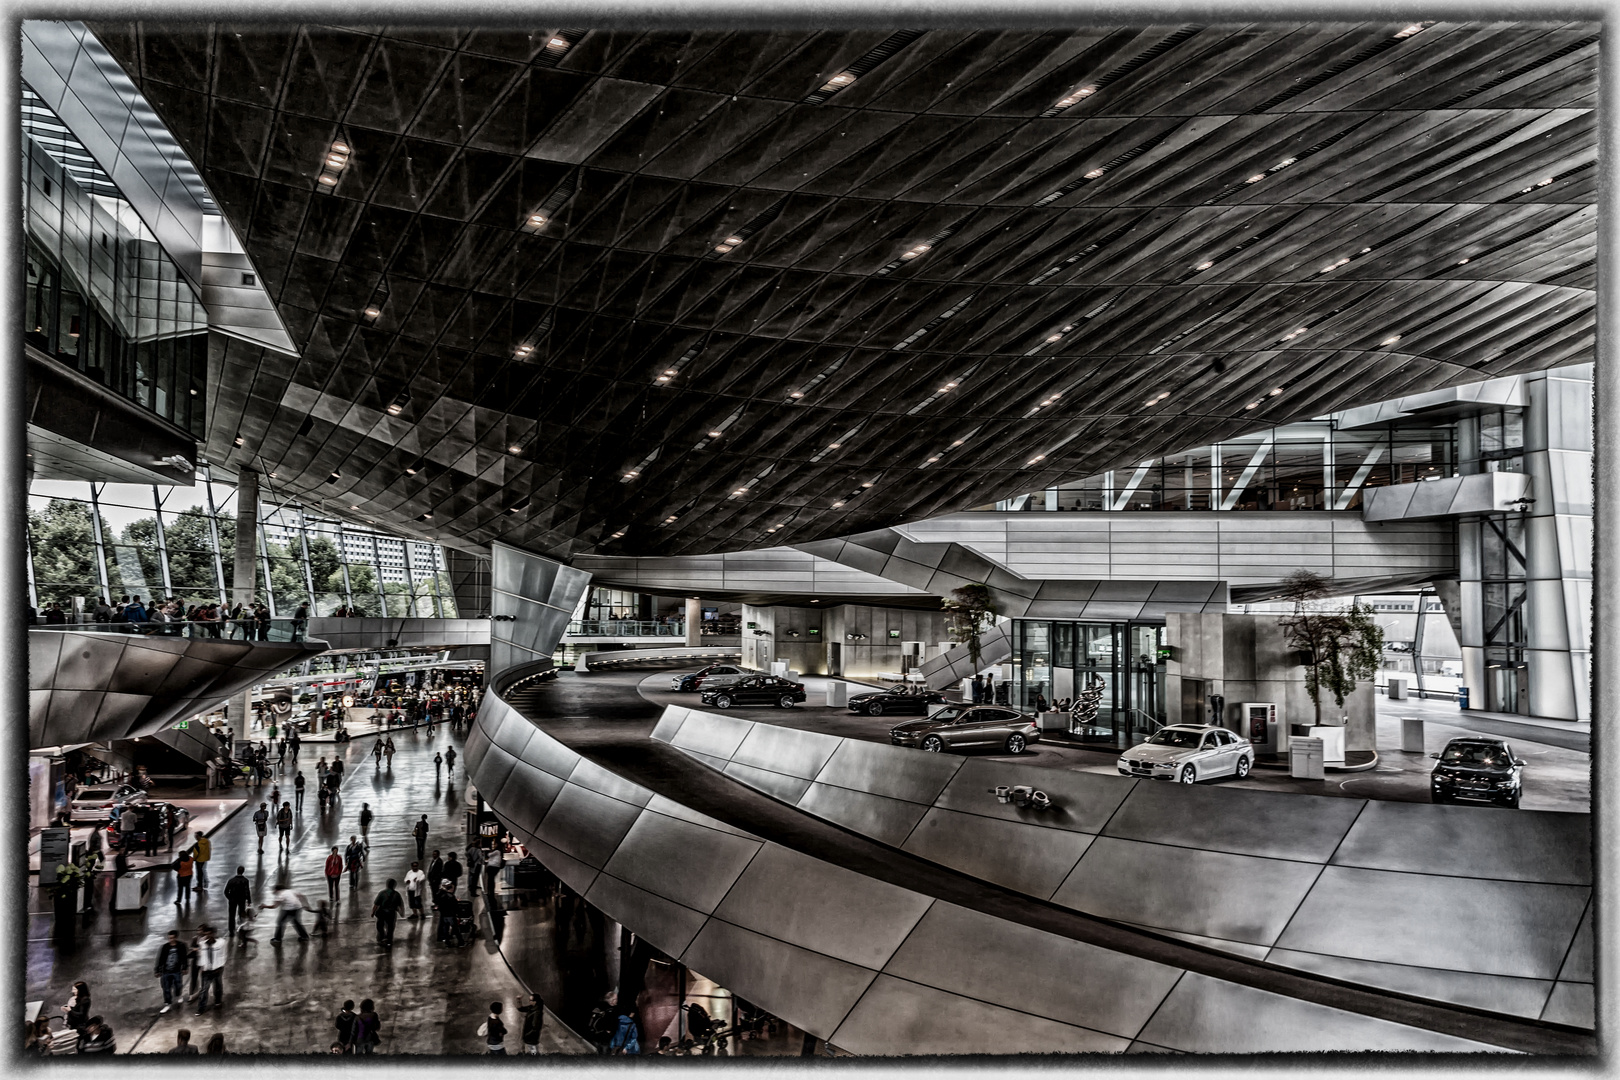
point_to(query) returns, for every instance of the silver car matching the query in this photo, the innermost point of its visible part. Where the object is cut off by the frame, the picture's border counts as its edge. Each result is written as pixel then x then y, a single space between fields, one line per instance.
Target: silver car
pixel 957 727
pixel 1189 753
pixel 97 803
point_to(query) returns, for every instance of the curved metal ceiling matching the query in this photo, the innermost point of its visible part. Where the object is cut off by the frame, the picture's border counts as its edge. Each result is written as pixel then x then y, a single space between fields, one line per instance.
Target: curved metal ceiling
pixel 947 265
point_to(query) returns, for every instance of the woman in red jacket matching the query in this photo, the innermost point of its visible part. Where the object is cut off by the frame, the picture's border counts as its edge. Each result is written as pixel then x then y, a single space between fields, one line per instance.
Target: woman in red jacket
pixel 334 873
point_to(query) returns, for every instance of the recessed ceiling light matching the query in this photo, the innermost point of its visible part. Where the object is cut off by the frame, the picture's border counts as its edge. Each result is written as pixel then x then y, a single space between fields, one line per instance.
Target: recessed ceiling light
pixel 631 475
pixel 734 240
pixel 740 491
pixel 958 442
pixel 1252 405
pixel 834 446
pixel 1392 339
pixel 373 312
pixel 662 378
pixel 1205 265
pixel 426 517
pixel 328 180
pixel 410 470
pixel 934 458
pixel 1037 457
pixel 537 219
pixel 340 148
pixel 514 449
pixel 1054 337
pixel 669 371
pixel 238 440
pixel 334 478
pixel 1277 391
pixel 1462 262
pixel 836 505
pixel 1256 178
pixel 867 484
pixel 336 162
pixel 1093 174
pixel 722 248
pixel 354 508
pixel 714 434
pixel 796 394
pixel 558 43
pixel 1415 28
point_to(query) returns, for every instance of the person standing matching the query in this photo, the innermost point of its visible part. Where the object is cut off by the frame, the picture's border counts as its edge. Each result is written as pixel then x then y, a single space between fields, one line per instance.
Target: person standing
pixel 413 889
pixel 990 687
pixel 534 1018
pixel 420 831
pixel 288 903
pixel 367 1028
pixel 170 969
pixel 238 894
pixel 78 1006
pixel 284 823
pixel 261 822
pixel 202 851
pixel 494 1031
pixel 321 769
pixel 450 760
pixel 452 873
pixel 183 867
pixel 298 792
pixel 435 871
pixel 344 1022
pixel 475 867
pixel 355 856
pixel 438 763
pixel 334 873
pixel 366 818
pixel 978 689
pixel 385 909
pixel 211 965
pixel 493 864
pixel 182 1043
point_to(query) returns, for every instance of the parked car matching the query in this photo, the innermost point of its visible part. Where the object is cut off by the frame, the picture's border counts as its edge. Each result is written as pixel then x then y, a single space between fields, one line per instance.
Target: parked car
pixel 98 803
pixel 1189 753
pixel 711 676
pixel 1476 768
pixel 896 699
pixel 958 727
pixel 171 820
pixel 756 690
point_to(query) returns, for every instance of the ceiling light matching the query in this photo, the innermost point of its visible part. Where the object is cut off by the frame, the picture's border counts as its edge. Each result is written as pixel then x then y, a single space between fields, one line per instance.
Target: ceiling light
pixel 397 406
pixel 334 478
pixel 410 470
pixel 524 350
pixel 558 43
pixel 1054 337
pixel 373 312
pixel 1284 163
pixel 1277 391
pixel 1093 174
pixel 671 518
pixel 340 148
pixel 1037 457
pixel 1415 28
pixel 328 180
pixel 836 505
pixel 722 248
pixel 1252 405
pixel 740 491
pixel 238 440
pixel 1256 178
pixel 354 508
pixel 662 378
pixel 834 446
pixel 272 476
pixel 1462 262
pixel 958 442
pixel 537 219
pixel 1205 265
pixel 615 536
pixel 933 459
pixel 734 240
pixel 337 162
pixel 867 484
pixel 1392 339
pixel 1544 183
pixel 514 449
pixel 796 394
pixel 714 434
pixel 426 517
pixel 669 371
pixel 1364 251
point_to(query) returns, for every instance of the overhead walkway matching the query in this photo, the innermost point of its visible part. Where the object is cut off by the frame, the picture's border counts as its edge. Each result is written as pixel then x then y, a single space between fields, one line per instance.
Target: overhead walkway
pixel 375 635
pixel 714 649
pixel 882 950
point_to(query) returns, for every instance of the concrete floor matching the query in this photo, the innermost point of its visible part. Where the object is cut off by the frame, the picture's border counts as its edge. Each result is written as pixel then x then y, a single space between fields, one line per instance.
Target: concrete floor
pixel 1557 776
pixel 281 1000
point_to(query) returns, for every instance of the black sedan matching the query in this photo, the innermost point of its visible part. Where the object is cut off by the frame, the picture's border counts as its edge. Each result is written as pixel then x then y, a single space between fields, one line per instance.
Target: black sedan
pixel 756 690
pixel 1476 768
pixel 894 701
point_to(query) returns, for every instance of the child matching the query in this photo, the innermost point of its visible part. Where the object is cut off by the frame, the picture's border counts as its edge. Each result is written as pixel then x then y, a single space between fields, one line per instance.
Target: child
pixel 244 929
pixel 321 916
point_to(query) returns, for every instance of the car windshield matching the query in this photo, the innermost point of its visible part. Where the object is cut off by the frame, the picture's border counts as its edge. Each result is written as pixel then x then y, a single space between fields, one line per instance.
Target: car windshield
pixel 949 714
pixel 1173 737
pixel 1475 754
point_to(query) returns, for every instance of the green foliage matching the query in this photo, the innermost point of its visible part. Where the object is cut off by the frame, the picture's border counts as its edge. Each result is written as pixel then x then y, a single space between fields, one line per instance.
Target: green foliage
pixel 971 610
pixel 1339 648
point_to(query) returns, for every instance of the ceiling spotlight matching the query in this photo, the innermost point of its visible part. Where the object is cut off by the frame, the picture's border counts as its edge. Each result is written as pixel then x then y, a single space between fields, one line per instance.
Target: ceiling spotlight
pixel 1284 163
pixel 1252 405
pixel 1392 339
pixel 916 251
pixel 740 491
pixel 662 378
pixel 514 449
pixel 340 148
pixel 328 180
pixel 537 219
pixel 426 517
pixel 867 484
pixel 1037 457
pixel 410 470
pixel 354 508
pixel 238 440
pixel 558 43
pixel 1205 265
pixel 722 248
pixel 715 434
pixel 958 442
pixel 734 240
pixel 836 505
pixel 1462 262
pixel 1054 337
pixel 933 459
pixel 1277 391
pixel 834 446
pixel 525 350
pixel 669 371
pixel 336 162
pixel 631 475
pixel 373 312
pixel 1093 174
pixel 1256 178
pixel 1415 28
pixel 796 394
pixel 397 406
pixel 334 478
pixel 272 476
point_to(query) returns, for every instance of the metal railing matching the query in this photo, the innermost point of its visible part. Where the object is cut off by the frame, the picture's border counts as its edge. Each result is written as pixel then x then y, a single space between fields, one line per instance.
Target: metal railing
pixel 651 628
pixel 268 630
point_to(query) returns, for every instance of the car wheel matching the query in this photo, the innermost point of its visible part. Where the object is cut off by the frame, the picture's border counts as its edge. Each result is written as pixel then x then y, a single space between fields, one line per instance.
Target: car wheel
pixel 1189 775
pixel 1513 803
pixel 1242 767
pixel 1436 797
pixel 875 709
pixel 786 701
pixel 933 744
pixel 1015 744
pixel 723 701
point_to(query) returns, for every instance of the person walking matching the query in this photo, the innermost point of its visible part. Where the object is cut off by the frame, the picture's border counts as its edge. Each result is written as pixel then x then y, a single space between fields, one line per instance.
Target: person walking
pixel 534 1018
pixel 494 863
pixel 334 873
pixel 261 822
pixel 494 1031
pixel 183 867
pixel 366 818
pixel 450 760
pixel 182 1043
pixel 435 871
pixel 413 889
pixel 170 969
pixel 344 1022
pixel 325 798
pixel 376 752
pixel 284 822
pixel 355 856
pixel 367 1028
pixel 202 851
pixel 298 792
pixel 385 909
pixel 321 769
pixel 438 763
pixel 238 894
pixel 420 831
pixel 288 903
pixel 475 867
pixel 389 751
pixel 211 965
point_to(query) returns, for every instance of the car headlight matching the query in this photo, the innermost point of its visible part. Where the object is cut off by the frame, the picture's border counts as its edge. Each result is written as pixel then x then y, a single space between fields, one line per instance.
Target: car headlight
pixel 1164 765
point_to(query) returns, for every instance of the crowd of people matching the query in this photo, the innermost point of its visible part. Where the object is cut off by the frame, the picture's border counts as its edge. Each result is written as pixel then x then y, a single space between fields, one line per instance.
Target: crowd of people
pixel 244 621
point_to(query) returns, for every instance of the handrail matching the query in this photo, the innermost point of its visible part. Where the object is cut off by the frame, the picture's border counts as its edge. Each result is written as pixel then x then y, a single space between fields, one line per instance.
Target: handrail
pixel 277 631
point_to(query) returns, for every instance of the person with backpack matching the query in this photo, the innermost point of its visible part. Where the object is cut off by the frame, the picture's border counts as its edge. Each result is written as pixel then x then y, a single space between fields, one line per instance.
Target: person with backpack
pixel 344 1022
pixel 367 1028
pixel 626 1039
pixel 385 909
pixel 170 969
pixel 284 823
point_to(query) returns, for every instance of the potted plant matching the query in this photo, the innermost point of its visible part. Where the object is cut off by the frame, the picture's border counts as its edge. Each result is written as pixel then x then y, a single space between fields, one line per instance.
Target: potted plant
pixel 971 610
pixel 1338 647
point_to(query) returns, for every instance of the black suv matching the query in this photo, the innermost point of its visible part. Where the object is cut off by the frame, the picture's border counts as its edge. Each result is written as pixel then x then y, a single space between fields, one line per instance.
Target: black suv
pixel 1476 768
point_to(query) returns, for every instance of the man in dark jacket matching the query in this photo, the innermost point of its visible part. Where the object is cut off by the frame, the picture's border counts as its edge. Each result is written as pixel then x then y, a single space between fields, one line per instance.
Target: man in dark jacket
pixel 385 909
pixel 170 968
pixel 435 871
pixel 452 872
pixel 238 894
pixel 420 831
pixel 534 1018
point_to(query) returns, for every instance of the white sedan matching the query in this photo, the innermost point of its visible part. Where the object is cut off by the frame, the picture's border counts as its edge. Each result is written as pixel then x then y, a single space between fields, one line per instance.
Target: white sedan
pixel 1189 753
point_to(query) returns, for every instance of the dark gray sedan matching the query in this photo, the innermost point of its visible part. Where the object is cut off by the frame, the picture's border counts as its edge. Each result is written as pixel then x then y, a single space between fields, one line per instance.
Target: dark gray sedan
pixel 961 727
pixel 896 699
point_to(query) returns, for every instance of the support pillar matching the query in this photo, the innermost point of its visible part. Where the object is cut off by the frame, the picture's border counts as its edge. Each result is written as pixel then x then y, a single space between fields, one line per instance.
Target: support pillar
pixel 694 621
pixel 247 529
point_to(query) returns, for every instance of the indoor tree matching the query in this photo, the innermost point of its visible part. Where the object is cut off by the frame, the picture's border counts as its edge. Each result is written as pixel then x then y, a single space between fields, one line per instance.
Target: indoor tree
pixel 1338 646
pixel 971 611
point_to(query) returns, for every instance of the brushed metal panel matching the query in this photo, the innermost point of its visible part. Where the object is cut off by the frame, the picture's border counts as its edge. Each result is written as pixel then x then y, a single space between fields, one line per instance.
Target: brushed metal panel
pixel 1236 948
pixel 586 825
pixel 680 861
pixel 1496 993
pixel 544 752
pixel 888 821
pixel 1033 971
pixel 589 774
pixel 669 723
pixel 71 717
pixel 1467 841
pixel 786 750
pixel 188 676
pixel 1208 1016
pixel 1578 964
pixel 1434 921
pixel 669 926
pixel 1022 857
pixel 810 991
pixel 1081 802
pixel 118 713
pixel 1201 892
pixel 86 660
pixel 1571 1003
pixel 710 734
pixel 573 873
pixel 1274 824
pixel 789 789
pixel 669 808
pixel 527 794
pixel 44 651
pixel 39 708
pixel 822 907
pixel 899 1017
pixel 893 771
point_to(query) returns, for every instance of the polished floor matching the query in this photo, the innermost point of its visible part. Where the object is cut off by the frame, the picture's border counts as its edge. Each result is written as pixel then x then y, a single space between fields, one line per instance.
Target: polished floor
pixel 281 999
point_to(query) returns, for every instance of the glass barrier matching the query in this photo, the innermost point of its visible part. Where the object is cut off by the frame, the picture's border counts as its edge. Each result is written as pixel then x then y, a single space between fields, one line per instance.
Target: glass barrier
pixel 626 628
pixel 268 630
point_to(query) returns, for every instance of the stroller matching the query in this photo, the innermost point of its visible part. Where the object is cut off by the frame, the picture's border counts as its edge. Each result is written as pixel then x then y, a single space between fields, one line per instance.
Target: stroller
pixel 463 926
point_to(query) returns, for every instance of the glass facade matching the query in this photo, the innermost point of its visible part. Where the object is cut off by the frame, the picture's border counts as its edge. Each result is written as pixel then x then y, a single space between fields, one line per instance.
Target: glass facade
pixel 92 539
pixel 1057 660
pixel 99 293
pixel 1308 466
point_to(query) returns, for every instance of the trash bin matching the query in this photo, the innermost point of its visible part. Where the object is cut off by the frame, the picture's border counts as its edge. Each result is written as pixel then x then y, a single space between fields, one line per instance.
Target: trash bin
pixel 837 693
pixel 1411 735
pixel 1462 697
pixel 1305 759
pixel 134 888
pixel 1397 688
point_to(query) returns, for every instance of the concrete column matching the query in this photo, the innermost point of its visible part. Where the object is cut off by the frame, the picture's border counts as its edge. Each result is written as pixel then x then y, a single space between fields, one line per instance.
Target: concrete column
pixel 247 528
pixel 694 621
